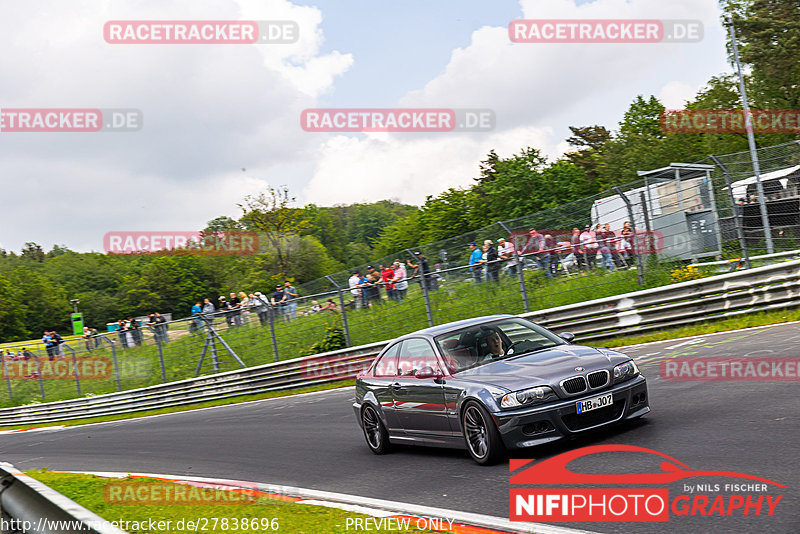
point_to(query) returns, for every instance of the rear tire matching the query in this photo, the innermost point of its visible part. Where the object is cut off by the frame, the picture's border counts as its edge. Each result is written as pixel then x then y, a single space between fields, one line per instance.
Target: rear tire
pixel 374 431
pixel 481 435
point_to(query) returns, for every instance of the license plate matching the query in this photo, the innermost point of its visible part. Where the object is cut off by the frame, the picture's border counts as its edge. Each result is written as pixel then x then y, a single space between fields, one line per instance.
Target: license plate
pixel 594 403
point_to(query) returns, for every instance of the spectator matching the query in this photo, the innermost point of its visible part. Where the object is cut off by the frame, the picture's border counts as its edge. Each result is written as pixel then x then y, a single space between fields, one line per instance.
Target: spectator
pixel 246 305
pixel 290 309
pixel 261 306
pixel 387 274
pixel 49 345
pixel 196 323
pixel 208 310
pixel 225 309
pixel 162 327
pixel 278 300
pixel 90 338
pixel 475 262
pixel 589 245
pixel 551 251
pixel 355 282
pixel 577 248
pixel 315 308
pixel 507 253
pixel 626 241
pixel 377 281
pixel 492 265
pixel 122 333
pixel 135 330
pixel 540 253
pixel 422 267
pixel 399 280
pixel 235 309
pixel 330 306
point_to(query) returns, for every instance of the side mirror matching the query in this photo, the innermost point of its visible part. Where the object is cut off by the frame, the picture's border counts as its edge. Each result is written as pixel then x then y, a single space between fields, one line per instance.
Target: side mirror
pixel 428 372
pixel 567 336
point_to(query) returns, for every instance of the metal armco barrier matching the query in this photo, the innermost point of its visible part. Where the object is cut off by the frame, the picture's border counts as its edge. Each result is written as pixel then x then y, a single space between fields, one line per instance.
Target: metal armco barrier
pixel 772 287
pixel 27 505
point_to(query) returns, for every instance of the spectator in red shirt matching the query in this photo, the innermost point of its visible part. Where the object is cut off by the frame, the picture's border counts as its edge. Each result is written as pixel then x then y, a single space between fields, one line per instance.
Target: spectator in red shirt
pixel 387 275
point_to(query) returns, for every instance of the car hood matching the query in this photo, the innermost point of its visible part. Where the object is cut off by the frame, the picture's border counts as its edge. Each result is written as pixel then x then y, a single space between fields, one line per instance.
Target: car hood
pixel 542 368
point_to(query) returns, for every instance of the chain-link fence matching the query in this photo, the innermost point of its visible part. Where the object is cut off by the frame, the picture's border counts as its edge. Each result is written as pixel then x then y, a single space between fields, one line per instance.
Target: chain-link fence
pixel 635 236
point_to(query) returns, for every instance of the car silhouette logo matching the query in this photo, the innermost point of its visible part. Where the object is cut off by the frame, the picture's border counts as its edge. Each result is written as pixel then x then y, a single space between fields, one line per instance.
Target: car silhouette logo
pixel 554 470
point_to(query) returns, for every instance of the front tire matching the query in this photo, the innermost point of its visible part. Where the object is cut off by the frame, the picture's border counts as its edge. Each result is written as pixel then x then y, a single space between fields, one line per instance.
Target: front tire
pixel 481 435
pixel 374 431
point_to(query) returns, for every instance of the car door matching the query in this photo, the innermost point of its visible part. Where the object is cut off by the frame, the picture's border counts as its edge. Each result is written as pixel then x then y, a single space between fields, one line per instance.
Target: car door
pixel 420 402
pixel 383 375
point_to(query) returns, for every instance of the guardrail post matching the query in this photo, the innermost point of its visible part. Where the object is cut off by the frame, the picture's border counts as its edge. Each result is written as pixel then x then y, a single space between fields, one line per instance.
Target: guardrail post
pixel 639 268
pixel 114 359
pixel 520 275
pixel 157 338
pixel 344 312
pixel 737 214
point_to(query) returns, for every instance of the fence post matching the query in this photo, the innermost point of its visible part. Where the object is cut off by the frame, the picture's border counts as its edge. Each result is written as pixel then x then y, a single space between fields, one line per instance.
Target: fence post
pixel 424 284
pixel 520 274
pixel 8 378
pixel 344 312
pixel 114 359
pixel 74 367
pixel 271 318
pixel 650 248
pixel 639 268
pixel 737 214
pixel 157 338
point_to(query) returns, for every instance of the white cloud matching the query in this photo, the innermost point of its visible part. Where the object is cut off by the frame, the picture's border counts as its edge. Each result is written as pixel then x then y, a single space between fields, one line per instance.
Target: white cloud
pixel 536 90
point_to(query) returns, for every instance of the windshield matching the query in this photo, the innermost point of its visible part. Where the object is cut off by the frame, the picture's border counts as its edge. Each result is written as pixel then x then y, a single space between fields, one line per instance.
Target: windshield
pixel 480 344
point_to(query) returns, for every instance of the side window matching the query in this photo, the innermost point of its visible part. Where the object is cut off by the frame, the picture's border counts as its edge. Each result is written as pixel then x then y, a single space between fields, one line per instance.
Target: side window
pixel 416 354
pixel 387 365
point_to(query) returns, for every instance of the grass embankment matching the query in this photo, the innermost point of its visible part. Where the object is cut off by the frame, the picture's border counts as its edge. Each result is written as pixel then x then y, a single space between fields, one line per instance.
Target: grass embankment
pixel 255 511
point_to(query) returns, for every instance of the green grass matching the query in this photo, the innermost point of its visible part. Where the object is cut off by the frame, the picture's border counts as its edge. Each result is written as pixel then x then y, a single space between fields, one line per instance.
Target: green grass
pixel 89 492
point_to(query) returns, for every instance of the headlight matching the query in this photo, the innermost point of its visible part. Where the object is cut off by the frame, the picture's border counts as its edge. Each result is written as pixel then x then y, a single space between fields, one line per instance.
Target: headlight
pixel 625 371
pixel 526 397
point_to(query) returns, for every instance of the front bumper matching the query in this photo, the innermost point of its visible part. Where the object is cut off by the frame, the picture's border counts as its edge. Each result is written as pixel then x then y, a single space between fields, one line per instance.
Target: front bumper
pixel 537 425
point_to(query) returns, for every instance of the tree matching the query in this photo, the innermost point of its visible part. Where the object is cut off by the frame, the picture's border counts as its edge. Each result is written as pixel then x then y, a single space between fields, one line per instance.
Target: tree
pixel 768 32
pixel 591 142
pixel 33 252
pixel 271 214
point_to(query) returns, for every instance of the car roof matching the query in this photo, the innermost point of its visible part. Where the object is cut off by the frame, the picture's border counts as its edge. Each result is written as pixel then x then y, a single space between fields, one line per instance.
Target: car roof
pixel 455 325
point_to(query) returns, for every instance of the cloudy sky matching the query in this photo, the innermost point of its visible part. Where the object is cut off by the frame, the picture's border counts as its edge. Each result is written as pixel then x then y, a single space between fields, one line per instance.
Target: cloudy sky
pixel 222 121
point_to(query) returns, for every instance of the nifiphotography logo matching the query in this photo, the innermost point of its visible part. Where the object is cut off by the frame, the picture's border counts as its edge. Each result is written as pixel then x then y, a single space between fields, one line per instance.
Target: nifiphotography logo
pixel 637 497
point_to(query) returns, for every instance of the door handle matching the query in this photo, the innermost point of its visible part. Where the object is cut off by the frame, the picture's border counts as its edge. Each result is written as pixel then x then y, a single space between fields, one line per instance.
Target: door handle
pixel 397 386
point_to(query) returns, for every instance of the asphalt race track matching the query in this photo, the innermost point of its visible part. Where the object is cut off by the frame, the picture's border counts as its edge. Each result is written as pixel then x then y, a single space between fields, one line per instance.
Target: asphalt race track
pixel 313 441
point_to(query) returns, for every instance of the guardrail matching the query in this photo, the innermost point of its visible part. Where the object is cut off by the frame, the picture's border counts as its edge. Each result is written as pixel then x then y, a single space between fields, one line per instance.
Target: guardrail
pixel 764 288
pixel 29 506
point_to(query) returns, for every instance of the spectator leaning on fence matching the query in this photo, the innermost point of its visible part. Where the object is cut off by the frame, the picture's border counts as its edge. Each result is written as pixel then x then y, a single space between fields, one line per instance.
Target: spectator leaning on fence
pixel 475 263
pixel 400 282
pixel 261 306
pixel 507 253
pixel 492 265
pixel 291 300
pixel 387 274
pixel 353 282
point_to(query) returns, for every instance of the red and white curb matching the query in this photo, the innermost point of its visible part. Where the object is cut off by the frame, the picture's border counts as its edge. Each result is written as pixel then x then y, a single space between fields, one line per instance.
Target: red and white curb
pixel 417 516
pixel 37 429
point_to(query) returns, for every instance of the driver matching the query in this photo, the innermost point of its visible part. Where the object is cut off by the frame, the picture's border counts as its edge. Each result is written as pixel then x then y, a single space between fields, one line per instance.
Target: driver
pixel 494 345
